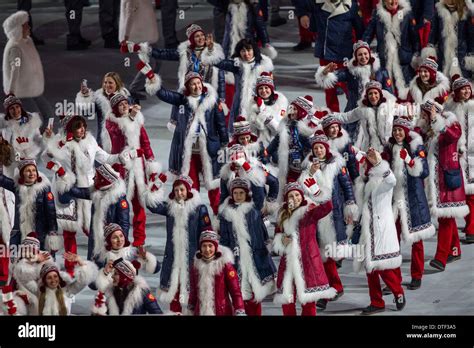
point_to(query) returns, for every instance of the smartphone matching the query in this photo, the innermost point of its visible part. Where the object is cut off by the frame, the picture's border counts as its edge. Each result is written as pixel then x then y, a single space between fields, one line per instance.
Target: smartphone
pixel 51 122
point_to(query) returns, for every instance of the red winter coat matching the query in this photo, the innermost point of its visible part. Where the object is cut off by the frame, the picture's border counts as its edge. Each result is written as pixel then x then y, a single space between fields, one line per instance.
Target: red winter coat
pixel 215 288
pixel 310 279
pixel 120 135
pixel 443 156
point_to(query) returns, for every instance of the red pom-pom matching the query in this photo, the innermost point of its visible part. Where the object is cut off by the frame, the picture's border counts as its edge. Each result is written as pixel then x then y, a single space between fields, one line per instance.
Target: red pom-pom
pixel 240 118
pixel 308 97
pixel 266 73
pixel 455 77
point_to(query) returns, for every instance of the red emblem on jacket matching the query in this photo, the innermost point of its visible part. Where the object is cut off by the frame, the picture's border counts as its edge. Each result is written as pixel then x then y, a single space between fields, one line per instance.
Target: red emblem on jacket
pixel 124 204
pixel 50 196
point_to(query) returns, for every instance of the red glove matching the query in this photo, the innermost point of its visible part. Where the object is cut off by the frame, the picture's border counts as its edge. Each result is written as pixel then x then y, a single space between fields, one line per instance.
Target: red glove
pixel 55 168
pixel 162 177
pixel 145 69
pixel 313 187
pixel 50 165
pixel 140 152
pixel 310 182
pixel 403 154
pixel 128 47
pixel 21 140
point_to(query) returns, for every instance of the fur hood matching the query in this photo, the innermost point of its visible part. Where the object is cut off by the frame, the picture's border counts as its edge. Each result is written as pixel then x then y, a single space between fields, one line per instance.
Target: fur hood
pixel 12 26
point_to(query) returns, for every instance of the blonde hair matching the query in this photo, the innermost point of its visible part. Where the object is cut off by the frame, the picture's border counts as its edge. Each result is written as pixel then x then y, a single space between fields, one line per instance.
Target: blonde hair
pixel 59 297
pixel 116 77
pixel 283 215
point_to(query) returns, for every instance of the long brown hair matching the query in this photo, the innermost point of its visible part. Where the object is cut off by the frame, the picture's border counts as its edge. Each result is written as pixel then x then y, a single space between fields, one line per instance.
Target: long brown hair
pixel 6 152
pixel 59 297
pixel 283 215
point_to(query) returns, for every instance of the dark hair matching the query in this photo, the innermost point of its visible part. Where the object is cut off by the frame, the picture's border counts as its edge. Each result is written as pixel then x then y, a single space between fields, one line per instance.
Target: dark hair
pixel 247 43
pixel 77 123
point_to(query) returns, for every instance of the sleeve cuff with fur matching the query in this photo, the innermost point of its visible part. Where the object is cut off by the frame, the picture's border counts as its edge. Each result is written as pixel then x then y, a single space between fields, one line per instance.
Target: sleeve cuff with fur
pixel 154 86
pixel 278 246
pixel 325 81
pixel 212 57
pixel 150 264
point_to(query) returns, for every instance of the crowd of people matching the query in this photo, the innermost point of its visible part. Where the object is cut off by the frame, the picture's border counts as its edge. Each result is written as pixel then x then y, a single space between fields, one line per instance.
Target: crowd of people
pixel 396 166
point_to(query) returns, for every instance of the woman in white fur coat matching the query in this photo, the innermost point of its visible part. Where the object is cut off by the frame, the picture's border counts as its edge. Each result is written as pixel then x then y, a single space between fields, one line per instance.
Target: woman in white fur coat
pixel 429 83
pixel 77 151
pixel 242 229
pixel 330 171
pixel 20 296
pixel 375 113
pixel 408 159
pixel 445 186
pixel 301 273
pixel 125 134
pixel 22 68
pixel 267 109
pixel 56 289
pixel 96 104
pixel 461 103
pixel 378 249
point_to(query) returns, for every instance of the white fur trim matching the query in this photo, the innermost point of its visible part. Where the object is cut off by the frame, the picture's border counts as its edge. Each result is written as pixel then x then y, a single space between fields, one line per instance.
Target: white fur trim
pixel 428 51
pixel 269 51
pixel 153 86
pixel 326 81
pixel 392 36
pixel 83 276
pixel 442 86
pixel 294 270
pixel 171 127
pixel 212 57
pixel 133 300
pixel 180 270
pixel 102 201
pixel 199 110
pixel 250 282
pixel 238 26
pixel 207 272
pixel 53 242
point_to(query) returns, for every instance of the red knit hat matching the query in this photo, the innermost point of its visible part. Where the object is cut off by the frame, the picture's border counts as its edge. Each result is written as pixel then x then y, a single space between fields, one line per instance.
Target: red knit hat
pixel 211 236
pixel 431 65
pixel 457 83
pixel 192 30
pixel 320 137
pixel 265 79
pixel 328 121
pixel 115 100
pixel 404 123
pixel 360 45
pixel 239 183
pixel 303 105
pixel 105 176
pixel 9 101
pixel 22 164
pixel 242 127
pixel 373 84
pixel 184 180
pixel 188 77
pixel 48 268
pixel 108 231
pixel 126 271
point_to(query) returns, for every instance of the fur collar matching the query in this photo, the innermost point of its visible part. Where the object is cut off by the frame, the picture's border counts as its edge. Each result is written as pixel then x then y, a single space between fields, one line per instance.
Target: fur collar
pixel 442 87
pixel 34 122
pixel 238 24
pixel 207 103
pixel 183 211
pixel 217 265
pixel 102 200
pixel 341 142
pixel 365 71
pixel 133 300
pixel 233 212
